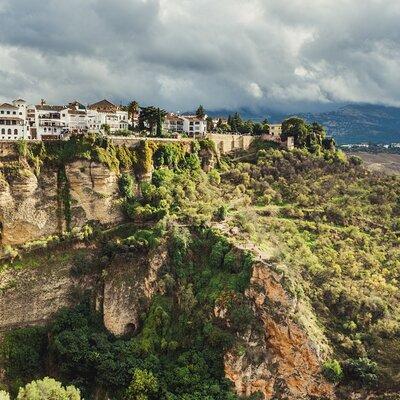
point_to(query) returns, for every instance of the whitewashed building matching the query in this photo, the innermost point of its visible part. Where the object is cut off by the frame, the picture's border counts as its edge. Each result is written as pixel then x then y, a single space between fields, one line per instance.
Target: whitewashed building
pixel 75 117
pixel 13 125
pixel 104 113
pixel 190 124
pixel 173 123
pixel 48 122
pixel 194 125
pixel 275 129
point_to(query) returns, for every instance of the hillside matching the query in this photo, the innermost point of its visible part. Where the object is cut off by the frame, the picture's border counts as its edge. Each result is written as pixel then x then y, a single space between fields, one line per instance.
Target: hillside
pixel 360 123
pixel 272 277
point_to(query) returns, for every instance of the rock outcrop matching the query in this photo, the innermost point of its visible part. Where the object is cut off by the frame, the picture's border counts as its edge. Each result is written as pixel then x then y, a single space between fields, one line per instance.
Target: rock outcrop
pixel 281 362
pixel 128 289
pixel 94 193
pixel 28 206
pixel 33 294
pixel 47 282
pixel 31 207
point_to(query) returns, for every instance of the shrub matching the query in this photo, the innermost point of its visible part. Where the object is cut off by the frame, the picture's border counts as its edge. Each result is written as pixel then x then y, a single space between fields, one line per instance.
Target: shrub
pixel 144 386
pixel 361 370
pixel 222 213
pixel 48 389
pixel 4 395
pixel 127 185
pixel 332 371
pixel 22 351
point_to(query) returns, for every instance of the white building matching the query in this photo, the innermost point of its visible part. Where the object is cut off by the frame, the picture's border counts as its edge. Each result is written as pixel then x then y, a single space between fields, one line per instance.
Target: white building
pixel 190 124
pixel 173 123
pixel 194 125
pixel 105 113
pixel 48 122
pixel 75 117
pixel 13 125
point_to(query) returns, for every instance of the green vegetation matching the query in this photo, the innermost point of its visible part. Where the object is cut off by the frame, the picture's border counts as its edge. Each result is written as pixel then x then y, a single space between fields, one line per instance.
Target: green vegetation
pixel 235 123
pixel 328 227
pixel 177 352
pixel 334 226
pixel 309 136
pixel 48 389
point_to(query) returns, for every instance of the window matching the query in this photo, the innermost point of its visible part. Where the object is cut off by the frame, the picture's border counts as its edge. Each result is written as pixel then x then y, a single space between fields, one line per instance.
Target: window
pixel 9 132
pixel 3 131
pixel 15 131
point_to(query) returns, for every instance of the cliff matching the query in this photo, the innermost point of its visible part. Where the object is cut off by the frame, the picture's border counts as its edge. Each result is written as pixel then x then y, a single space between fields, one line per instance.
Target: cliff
pixel 31 206
pixel 279 359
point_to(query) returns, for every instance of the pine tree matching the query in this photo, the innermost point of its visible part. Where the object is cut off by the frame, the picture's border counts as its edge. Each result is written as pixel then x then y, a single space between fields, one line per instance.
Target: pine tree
pixel 200 113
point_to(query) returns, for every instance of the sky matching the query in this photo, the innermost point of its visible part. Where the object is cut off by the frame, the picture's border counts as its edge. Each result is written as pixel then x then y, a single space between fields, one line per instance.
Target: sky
pixel 286 55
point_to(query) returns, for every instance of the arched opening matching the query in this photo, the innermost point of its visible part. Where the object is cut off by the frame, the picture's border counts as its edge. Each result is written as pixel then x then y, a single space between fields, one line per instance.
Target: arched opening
pixel 130 329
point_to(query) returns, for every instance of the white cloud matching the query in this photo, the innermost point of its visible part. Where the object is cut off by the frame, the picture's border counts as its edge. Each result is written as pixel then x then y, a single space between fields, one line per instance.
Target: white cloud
pixel 179 53
pixel 255 90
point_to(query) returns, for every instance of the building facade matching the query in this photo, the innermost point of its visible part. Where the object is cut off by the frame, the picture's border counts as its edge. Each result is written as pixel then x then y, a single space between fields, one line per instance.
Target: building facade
pixel 275 130
pixel 105 114
pixel 13 125
pixel 49 122
pixel 190 124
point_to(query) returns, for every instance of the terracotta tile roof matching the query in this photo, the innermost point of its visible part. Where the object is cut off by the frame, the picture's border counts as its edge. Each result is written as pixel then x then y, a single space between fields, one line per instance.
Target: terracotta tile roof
pixel 193 118
pixel 173 117
pixel 103 104
pixel 7 105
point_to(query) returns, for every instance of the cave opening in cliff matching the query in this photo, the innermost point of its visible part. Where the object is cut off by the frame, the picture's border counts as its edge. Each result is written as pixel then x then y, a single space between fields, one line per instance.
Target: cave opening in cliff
pixel 130 329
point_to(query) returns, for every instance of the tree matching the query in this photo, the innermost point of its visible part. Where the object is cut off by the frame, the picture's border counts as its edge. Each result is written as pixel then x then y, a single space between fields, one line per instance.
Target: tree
pixel 200 112
pixel 144 386
pixel 297 128
pixel 133 110
pixel 258 128
pixel 48 389
pixel 159 123
pixel 210 124
pixel 4 395
pixel 150 117
pixel 106 128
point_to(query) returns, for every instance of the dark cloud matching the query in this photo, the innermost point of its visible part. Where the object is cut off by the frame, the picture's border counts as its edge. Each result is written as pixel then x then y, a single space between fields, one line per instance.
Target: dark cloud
pixel 287 54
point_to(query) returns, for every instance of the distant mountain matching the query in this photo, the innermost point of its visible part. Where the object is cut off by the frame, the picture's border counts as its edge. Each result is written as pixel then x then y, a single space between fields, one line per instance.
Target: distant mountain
pixel 360 123
pixel 353 123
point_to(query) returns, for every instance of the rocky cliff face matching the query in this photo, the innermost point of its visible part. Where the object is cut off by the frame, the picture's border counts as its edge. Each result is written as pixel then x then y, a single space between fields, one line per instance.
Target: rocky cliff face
pixel 28 206
pixel 94 193
pixel 281 362
pixel 47 283
pixel 128 289
pixel 31 207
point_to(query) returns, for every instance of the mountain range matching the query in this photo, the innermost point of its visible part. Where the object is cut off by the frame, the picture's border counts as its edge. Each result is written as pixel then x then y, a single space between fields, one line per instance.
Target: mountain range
pixel 352 123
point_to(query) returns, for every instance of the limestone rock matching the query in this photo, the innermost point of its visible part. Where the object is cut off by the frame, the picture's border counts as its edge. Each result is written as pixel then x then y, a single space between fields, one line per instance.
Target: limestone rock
pixel 283 362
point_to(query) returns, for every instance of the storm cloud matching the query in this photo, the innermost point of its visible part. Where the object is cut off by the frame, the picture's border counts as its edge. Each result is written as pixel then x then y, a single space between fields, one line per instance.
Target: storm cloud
pixel 282 54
